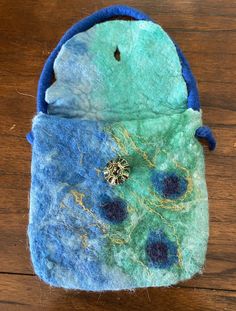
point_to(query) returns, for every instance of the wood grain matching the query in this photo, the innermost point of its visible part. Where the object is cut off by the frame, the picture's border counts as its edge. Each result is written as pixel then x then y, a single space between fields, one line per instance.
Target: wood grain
pixel 206 32
pixel 27 293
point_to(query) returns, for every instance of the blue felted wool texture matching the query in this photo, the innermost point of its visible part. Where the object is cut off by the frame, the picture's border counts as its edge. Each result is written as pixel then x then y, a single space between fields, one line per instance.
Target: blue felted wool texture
pixel 58 230
pixel 151 230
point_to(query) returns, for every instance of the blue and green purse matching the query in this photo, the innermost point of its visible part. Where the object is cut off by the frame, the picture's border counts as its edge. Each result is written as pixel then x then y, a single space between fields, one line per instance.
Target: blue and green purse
pixel 118 195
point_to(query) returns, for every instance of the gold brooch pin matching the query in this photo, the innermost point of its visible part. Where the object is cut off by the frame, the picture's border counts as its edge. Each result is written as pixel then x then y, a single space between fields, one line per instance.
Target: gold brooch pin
pixel 117 171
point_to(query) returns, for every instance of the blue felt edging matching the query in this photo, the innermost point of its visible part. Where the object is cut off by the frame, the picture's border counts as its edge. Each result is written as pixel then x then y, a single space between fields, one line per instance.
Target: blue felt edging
pixel 30 137
pixel 205 132
pixel 88 22
pixel 193 97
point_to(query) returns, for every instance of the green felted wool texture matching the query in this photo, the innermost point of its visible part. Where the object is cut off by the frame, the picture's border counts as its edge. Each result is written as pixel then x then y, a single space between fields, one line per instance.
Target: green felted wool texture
pixel 92 84
pixel 134 107
pixel 166 144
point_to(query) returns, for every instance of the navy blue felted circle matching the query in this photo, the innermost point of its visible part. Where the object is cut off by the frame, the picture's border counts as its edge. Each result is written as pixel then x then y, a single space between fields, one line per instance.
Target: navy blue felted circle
pixel 114 210
pixel 169 184
pixel 157 252
pixel 161 251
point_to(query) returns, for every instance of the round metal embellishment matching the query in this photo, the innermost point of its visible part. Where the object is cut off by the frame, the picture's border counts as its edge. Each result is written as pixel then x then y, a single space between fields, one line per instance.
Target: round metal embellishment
pixel 117 171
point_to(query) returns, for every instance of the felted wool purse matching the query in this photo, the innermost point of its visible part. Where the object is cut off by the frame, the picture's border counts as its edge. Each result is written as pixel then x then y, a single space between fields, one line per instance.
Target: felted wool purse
pixel 118 196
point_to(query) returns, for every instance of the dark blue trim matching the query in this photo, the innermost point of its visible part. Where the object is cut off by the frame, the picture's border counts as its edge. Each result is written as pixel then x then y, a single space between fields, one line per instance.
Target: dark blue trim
pixel 193 97
pixel 205 132
pixel 30 137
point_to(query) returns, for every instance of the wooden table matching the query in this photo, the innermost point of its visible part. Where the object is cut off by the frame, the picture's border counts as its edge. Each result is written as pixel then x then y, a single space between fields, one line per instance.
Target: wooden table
pixel 206 31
